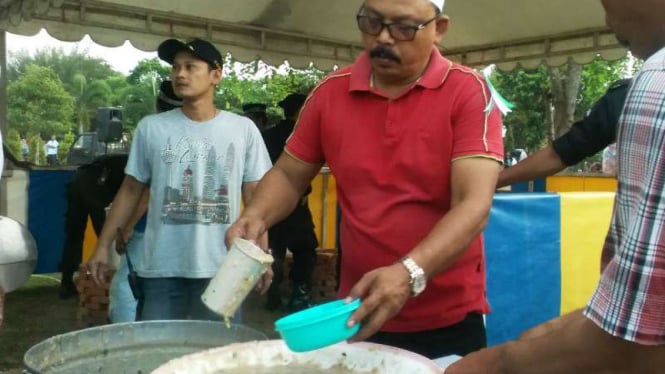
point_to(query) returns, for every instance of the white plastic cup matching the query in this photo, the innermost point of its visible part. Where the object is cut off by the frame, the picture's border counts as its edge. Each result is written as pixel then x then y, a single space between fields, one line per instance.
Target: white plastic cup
pixel 239 273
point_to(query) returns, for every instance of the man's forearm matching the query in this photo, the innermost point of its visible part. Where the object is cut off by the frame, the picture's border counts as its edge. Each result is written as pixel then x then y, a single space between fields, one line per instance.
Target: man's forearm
pixel 140 210
pixel 541 164
pixel 451 236
pixel 580 346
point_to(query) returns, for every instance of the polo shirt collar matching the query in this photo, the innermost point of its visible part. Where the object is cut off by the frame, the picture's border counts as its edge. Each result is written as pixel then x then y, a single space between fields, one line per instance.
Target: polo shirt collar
pixel 434 75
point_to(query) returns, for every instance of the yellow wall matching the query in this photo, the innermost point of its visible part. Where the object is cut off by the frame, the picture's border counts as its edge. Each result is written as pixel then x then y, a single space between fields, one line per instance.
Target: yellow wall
pixel 89 242
pixel 585 219
pixel 581 183
pixel 317 201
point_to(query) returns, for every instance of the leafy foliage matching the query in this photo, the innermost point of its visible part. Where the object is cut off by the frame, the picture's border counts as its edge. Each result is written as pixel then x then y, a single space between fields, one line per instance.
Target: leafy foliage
pixel 529 125
pixel 38 102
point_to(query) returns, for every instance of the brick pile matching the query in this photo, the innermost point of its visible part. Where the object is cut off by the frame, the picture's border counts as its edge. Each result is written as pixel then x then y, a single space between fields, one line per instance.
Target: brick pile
pixel 93 299
pixel 324 278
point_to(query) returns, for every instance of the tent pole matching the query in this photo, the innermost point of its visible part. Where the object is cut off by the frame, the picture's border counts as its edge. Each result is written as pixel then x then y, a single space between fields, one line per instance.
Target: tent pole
pixel 3 111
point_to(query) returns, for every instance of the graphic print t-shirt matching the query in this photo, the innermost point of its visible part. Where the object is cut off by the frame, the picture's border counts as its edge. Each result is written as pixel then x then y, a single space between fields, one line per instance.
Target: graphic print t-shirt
pixel 195 171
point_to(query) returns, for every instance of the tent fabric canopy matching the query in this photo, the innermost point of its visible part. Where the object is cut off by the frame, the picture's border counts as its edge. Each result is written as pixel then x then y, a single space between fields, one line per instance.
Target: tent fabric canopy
pixel 481 32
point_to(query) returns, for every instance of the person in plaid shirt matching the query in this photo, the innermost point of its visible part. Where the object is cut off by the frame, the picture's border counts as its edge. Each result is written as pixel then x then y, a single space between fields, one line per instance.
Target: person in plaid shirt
pixel 622 329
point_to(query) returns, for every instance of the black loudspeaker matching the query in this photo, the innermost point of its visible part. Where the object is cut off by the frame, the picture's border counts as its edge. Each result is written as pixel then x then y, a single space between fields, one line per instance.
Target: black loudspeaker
pixel 109 124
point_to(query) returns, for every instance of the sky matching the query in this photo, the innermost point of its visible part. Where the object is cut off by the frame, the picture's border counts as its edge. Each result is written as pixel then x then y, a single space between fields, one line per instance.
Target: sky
pixel 122 59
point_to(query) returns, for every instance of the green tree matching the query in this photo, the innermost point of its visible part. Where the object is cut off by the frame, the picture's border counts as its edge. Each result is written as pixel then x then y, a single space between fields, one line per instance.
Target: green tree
pixel 84 77
pixel 37 153
pixel 117 84
pixel 596 77
pixel 137 102
pixel 65 144
pixel 256 82
pixel 65 65
pixel 13 142
pixel 527 124
pixel 89 97
pixel 38 102
pixel 540 95
pixel 149 71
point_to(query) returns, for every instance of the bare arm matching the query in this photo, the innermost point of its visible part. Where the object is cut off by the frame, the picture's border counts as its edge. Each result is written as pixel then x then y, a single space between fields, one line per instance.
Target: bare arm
pixel 385 290
pixel 473 183
pixel 248 189
pixel 124 204
pixel 274 198
pixel 577 346
pixel 541 164
pixel 140 210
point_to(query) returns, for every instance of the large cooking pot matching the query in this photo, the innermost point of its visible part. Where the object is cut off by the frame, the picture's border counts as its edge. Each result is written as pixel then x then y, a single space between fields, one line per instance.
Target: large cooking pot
pixel 133 347
pixel 272 356
pixel 18 254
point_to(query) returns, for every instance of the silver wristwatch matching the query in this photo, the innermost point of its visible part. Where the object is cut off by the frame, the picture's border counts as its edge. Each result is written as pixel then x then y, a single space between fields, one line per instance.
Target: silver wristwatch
pixel 417 280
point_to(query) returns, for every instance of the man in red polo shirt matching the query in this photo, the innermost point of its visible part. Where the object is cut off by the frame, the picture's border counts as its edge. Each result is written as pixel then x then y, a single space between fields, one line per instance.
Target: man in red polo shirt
pixel 415 147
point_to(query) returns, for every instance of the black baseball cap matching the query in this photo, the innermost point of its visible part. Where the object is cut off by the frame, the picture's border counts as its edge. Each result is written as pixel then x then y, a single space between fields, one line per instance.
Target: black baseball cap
pixel 198 47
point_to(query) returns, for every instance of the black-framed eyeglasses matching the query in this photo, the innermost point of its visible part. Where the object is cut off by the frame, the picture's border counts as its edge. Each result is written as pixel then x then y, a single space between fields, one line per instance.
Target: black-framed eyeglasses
pixel 398 31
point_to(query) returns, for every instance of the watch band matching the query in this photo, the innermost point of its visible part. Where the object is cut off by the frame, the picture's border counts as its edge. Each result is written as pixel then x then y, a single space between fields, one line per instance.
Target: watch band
pixel 417 279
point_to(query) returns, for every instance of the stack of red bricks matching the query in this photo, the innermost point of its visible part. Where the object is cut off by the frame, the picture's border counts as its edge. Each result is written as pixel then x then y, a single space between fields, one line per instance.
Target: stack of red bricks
pixel 324 279
pixel 93 299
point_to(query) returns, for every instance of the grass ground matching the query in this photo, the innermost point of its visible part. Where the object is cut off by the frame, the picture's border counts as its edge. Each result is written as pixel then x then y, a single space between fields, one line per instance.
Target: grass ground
pixel 34 313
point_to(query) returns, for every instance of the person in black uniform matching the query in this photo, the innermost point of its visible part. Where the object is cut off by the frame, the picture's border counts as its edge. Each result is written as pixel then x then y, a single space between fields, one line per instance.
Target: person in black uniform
pixel 90 190
pixel 585 138
pixel 257 113
pixel 295 232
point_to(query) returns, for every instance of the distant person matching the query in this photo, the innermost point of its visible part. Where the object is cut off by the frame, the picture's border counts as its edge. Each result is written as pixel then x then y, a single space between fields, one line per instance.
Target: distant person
pixel 296 231
pixel 88 193
pixel 609 165
pixel 52 151
pixel 25 149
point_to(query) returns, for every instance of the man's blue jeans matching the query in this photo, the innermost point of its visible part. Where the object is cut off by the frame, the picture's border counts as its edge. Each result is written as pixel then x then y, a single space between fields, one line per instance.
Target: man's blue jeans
pixel 175 298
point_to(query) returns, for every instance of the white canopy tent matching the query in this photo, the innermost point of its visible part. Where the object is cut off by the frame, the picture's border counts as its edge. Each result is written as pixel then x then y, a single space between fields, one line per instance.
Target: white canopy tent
pixel 482 32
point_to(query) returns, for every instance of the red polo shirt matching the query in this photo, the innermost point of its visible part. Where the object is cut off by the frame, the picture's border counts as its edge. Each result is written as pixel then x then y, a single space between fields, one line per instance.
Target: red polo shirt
pixel 391 160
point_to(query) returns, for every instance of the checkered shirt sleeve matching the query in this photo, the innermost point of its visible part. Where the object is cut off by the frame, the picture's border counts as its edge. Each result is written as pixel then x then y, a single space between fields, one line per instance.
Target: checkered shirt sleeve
pixel 629 301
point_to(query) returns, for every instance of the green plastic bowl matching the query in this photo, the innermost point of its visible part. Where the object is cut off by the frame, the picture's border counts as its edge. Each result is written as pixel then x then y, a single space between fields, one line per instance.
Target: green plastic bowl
pixel 319 326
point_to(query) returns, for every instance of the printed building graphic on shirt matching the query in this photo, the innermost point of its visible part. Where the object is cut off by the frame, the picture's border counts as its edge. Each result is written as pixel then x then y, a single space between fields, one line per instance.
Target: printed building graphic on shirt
pixel 197 189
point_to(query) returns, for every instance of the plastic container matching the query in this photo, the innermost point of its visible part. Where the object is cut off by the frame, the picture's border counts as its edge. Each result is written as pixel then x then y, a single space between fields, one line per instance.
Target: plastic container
pixel 240 271
pixel 319 326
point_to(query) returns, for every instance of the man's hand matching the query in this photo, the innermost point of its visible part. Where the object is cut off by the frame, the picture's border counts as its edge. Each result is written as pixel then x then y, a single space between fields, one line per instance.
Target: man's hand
pixel 248 228
pixel 98 265
pixel 265 281
pixel 383 292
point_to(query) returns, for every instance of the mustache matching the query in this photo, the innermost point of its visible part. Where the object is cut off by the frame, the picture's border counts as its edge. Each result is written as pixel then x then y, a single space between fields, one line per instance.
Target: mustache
pixel 383 52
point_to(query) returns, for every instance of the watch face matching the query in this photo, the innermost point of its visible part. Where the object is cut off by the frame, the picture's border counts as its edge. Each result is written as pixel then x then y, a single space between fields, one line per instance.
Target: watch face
pixel 419 284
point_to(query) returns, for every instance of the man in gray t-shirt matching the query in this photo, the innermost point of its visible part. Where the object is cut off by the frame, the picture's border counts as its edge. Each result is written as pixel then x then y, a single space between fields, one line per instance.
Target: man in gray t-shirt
pixel 198 162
